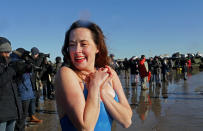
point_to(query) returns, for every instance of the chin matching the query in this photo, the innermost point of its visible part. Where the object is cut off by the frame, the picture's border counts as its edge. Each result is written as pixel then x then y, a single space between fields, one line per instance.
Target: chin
pixel 81 66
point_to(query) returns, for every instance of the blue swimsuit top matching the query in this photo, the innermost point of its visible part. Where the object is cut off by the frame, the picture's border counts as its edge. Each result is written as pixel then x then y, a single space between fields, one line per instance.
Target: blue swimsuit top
pixel 104 121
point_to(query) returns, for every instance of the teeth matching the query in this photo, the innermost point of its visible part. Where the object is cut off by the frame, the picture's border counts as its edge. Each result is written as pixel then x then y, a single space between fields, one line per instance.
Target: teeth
pixel 79 58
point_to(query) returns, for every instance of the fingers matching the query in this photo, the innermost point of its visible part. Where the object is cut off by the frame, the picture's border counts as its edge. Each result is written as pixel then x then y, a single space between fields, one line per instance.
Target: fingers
pixel 106 69
pixel 109 70
pixel 101 74
pixel 103 69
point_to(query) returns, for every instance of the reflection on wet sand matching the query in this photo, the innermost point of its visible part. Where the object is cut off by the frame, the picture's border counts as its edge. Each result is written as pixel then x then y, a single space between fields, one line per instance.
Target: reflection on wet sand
pixel 144 105
pixel 166 105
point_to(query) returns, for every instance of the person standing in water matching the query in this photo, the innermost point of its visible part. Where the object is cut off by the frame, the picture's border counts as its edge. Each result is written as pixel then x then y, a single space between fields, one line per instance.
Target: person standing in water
pixel 89 94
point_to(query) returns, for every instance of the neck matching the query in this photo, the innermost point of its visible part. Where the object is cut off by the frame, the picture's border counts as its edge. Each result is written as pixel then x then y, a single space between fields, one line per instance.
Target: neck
pixel 88 71
pixel 84 75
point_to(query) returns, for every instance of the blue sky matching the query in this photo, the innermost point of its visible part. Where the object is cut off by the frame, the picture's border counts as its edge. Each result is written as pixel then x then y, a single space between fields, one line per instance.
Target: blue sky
pixel 131 27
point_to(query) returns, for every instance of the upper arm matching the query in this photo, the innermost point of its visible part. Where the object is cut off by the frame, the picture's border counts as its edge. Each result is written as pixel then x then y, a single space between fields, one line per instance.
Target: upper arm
pixel 70 95
pixel 117 86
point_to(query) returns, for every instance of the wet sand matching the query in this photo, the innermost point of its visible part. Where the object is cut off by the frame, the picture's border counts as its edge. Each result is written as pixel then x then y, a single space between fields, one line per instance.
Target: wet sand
pixel 173 105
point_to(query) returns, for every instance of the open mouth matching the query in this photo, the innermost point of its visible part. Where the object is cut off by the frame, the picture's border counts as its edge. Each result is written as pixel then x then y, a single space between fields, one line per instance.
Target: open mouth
pixel 80 59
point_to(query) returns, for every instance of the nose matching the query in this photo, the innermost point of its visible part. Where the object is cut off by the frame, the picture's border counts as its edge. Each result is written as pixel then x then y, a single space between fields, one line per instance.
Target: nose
pixel 78 48
pixel 7 54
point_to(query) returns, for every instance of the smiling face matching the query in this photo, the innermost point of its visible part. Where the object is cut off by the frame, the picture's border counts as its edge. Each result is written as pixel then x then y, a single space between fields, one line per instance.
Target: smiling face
pixel 82 49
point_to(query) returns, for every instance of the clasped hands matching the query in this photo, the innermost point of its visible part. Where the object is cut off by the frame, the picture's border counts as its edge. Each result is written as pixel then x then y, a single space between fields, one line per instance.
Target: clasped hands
pixel 101 78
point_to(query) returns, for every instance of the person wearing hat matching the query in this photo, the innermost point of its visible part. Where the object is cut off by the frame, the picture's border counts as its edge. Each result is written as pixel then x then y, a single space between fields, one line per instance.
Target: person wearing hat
pixel 134 70
pixel 36 83
pixel 25 89
pixel 35 52
pixel 157 70
pixel 58 63
pixel 10 105
pixel 35 75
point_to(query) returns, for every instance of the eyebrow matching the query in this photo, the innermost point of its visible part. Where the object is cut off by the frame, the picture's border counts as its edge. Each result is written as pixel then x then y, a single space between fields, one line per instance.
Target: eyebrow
pixel 72 41
pixel 76 41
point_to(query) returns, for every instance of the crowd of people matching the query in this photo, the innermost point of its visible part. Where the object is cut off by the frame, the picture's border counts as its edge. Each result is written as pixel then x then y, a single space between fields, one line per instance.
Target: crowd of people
pixel 24 76
pixel 153 70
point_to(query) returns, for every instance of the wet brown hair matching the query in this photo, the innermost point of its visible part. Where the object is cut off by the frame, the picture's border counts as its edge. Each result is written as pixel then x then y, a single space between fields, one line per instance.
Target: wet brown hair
pixel 101 58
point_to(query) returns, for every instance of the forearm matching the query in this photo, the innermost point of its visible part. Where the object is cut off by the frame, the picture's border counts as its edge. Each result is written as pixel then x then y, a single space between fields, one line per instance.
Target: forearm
pixel 92 109
pixel 118 111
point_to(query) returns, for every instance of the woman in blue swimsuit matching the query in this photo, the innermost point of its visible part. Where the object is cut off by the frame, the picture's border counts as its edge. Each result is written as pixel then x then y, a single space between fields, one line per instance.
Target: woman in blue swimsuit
pixel 89 94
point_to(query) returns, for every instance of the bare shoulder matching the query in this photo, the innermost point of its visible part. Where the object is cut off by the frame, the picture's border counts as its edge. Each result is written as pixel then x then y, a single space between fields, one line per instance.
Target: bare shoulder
pixel 68 83
pixel 67 88
pixel 67 73
pixel 65 77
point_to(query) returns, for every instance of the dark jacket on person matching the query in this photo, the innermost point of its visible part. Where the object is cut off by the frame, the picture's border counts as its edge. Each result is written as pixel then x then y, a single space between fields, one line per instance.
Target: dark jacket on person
pixel 184 65
pixel 151 66
pixel 157 67
pixel 47 69
pixel 164 67
pixel 35 72
pixel 126 64
pixel 134 67
pixel 10 102
pixel 58 66
pixel 24 84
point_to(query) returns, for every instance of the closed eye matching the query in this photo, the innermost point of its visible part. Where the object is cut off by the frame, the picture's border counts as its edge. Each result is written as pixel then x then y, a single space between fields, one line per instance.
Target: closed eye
pixel 71 43
pixel 84 43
